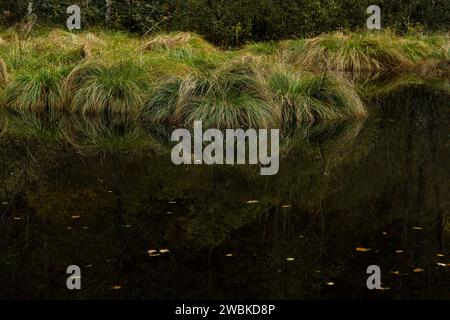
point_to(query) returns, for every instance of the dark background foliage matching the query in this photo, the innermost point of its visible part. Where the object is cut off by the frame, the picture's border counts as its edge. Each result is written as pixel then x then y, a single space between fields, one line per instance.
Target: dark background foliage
pixel 233 22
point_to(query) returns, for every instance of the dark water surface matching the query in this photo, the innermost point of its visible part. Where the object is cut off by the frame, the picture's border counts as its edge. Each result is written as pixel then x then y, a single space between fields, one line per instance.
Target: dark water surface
pixel 101 195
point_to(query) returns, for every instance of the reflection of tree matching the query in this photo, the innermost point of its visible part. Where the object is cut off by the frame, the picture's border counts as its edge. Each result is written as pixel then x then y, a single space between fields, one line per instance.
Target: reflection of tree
pixel 347 187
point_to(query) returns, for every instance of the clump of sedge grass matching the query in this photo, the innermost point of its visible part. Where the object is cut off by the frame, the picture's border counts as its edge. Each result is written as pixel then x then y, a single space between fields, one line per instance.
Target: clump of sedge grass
pixel 36 90
pixel 307 98
pixel 97 87
pixel 355 53
pixel 230 97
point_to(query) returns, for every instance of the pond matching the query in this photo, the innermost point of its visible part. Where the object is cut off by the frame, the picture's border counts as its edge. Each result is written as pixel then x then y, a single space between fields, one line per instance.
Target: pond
pixel 104 195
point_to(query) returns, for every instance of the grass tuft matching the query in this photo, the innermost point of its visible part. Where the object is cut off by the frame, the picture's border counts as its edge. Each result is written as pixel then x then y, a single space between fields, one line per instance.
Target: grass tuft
pixel 307 98
pixel 232 96
pixel 36 90
pixel 117 88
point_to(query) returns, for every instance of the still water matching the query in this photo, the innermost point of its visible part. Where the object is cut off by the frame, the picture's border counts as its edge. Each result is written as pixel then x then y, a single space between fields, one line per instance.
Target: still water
pixel 105 196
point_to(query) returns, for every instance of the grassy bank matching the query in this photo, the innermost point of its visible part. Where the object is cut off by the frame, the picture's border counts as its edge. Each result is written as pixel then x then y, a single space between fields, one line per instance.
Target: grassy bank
pixel 178 78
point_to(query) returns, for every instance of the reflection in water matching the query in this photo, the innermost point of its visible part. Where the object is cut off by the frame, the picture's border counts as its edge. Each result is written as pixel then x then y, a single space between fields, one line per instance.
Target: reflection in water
pixel 101 194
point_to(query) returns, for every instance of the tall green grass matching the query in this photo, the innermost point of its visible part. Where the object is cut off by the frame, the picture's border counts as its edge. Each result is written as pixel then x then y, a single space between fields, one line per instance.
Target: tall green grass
pixel 248 93
pixel 232 96
pixel 98 87
pixel 178 78
pixel 307 98
pixel 362 52
pixel 37 90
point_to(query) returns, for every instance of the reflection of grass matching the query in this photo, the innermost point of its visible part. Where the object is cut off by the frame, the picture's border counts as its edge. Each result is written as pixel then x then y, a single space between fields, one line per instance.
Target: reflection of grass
pixel 393 82
pixel 31 125
pixel 108 133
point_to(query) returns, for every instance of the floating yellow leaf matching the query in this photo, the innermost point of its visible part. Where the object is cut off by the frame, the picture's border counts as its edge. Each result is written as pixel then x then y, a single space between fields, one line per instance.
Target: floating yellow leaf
pixel 360 249
pixel 290 259
pixel 164 251
pixel 116 287
pixel 229 255
pixel 152 251
pixel 330 283
pixel 286 206
pixel 439 255
pixel 252 201
pixel 417 270
pixel 441 264
pixel 76 217
pixel 399 251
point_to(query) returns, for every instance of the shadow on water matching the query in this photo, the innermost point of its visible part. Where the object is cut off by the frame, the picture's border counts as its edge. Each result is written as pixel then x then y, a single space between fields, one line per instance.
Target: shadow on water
pixel 101 193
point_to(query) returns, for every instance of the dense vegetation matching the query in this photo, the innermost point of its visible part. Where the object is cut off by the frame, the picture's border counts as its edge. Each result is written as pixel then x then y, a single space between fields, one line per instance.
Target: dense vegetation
pixel 233 22
pixel 178 78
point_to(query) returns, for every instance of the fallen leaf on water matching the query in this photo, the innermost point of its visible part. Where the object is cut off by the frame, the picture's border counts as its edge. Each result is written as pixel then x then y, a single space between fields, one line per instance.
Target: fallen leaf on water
pixel 154 254
pixel 330 283
pixel 252 201
pixel 385 233
pixel 439 255
pixel 164 251
pixel 229 255
pixel 17 218
pixel 290 259
pixel 417 228
pixel 152 251
pixel 399 251
pixel 116 287
pixel 76 217
pixel 417 270
pixel 360 249
pixel 286 206
pixel 441 264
